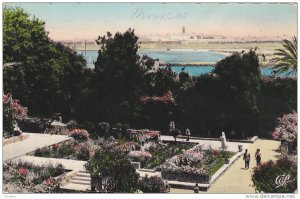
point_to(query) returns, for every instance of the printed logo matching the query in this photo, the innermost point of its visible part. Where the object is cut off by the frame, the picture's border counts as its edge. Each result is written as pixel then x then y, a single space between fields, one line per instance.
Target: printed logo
pixel 282 180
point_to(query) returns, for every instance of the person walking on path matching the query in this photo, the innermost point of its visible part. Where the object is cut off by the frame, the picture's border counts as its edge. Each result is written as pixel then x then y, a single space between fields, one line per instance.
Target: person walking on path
pixel 188 134
pixel 258 157
pixel 196 188
pixel 246 158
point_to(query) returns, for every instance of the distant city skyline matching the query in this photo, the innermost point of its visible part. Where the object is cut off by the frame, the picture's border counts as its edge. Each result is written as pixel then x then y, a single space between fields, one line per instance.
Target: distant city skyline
pixel 77 21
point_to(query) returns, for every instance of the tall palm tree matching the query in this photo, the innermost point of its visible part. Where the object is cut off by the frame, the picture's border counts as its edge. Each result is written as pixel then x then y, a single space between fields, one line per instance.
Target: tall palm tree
pixel 286 60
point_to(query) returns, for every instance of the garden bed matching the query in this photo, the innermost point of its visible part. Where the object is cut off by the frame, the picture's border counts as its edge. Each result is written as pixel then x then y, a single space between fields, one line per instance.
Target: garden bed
pixel 195 165
pixel 156 154
pixel 24 177
pixel 69 150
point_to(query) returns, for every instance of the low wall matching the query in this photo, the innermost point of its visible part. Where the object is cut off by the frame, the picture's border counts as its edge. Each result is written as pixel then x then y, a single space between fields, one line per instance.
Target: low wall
pixel 137 165
pixel 50 146
pixel 252 140
pixel 183 177
pixel 14 139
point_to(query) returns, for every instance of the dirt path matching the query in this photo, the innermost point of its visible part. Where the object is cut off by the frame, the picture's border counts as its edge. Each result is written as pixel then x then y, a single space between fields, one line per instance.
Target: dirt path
pixel 237 179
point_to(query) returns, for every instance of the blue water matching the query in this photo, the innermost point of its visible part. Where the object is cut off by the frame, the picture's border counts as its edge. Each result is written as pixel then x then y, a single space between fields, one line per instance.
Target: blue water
pixel 200 70
pixel 165 56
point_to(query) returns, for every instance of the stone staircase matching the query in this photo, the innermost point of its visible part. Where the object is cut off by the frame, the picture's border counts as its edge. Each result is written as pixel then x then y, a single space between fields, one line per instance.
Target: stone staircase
pixel 81 182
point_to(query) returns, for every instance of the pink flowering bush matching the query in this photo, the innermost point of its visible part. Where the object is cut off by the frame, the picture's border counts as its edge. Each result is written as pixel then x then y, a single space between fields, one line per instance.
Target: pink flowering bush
pixel 127 147
pixel 80 134
pixel 287 128
pixel 12 110
pixel 173 166
pixel 143 135
pixel 22 171
pixel 167 98
pixel 17 110
pixel 25 177
pixel 190 162
pixel 51 185
pixel 139 155
pixel 266 177
pixel 148 135
pixel 191 157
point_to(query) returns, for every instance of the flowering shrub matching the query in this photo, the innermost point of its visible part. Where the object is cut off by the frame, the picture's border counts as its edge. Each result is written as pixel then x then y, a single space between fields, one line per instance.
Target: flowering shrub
pixel 83 153
pixel 139 155
pixel 80 134
pixel 57 130
pixel 24 177
pixel 191 157
pixel 199 161
pixel 22 171
pixel 266 177
pixel 172 166
pixel 12 110
pixel 287 128
pixel 143 135
pixel 153 184
pixel 17 110
pixel 127 147
pixel 51 185
pixel 70 150
pixel 167 98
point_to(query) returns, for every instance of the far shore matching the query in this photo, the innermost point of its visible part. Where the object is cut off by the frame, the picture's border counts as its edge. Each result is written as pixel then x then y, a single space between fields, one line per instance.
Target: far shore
pixel 199 64
pixel 265 51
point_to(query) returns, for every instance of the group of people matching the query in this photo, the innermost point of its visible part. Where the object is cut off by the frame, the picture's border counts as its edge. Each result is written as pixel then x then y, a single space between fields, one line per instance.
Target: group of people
pixel 246 158
pixel 177 132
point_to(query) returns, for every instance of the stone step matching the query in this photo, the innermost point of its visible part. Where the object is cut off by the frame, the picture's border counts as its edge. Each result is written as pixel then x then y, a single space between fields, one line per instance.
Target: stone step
pixel 83 174
pixel 81 178
pixel 76 187
pixel 81 182
pixel 83 171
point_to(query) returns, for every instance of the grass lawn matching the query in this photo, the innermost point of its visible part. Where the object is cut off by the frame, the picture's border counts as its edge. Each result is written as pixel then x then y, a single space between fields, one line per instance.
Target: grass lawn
pixel 214 163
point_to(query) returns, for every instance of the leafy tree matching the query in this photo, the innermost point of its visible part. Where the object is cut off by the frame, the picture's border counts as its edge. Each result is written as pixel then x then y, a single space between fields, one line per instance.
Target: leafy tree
pixel 198 107
pixel 114 172
pixel 153 184
pixel 239 78
pixel 118 68
pixel 278 96
pixel 156 111
pixel 160 82
pixel 21 35
pixel 286 60
pixel 183 77
pixel 41 73
pixel 147 61
pixel 119 76
pixel 264 176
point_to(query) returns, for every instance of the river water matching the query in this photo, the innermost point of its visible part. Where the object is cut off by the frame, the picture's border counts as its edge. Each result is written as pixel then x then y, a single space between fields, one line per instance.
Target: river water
pixel 181 57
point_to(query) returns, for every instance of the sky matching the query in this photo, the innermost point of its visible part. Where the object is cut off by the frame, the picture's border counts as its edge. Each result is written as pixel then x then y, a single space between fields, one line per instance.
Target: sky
pixel 69 21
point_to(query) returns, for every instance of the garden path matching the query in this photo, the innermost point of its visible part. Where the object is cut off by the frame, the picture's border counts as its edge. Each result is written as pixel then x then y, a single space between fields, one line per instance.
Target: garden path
pixel 232 146
pixel 31 143
pixel 238 180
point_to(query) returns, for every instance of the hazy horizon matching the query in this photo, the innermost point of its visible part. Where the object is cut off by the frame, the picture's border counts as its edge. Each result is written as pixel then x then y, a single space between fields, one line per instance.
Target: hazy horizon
pixel 76 21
